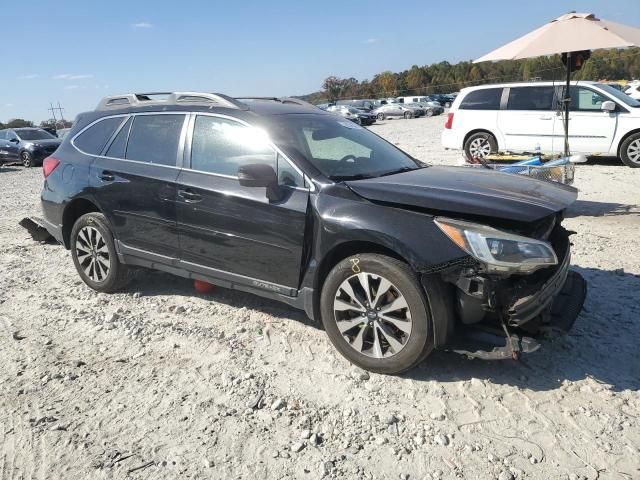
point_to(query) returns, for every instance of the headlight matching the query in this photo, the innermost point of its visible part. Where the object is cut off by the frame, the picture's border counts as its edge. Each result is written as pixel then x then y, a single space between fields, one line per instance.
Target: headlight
pixel 500 251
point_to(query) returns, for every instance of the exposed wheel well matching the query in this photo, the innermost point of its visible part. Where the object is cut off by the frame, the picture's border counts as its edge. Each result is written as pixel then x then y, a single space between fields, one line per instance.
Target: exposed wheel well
pixel 627 135
pixel 479 130
pixel 72 212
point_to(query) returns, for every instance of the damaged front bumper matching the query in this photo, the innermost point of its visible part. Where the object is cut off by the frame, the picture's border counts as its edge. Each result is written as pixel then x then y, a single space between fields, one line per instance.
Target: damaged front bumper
pixel 501 317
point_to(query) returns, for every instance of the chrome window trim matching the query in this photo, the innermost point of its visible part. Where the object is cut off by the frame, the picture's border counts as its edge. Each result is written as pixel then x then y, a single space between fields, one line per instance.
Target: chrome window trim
pixel 127 116
pixel 184 145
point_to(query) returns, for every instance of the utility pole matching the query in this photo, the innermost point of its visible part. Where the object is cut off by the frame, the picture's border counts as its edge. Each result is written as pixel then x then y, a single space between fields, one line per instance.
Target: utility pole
pixel 60 110
pixel 53 112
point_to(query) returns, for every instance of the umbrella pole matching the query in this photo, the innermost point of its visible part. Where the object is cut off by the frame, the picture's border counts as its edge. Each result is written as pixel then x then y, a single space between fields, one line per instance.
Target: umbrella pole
pixel 567 101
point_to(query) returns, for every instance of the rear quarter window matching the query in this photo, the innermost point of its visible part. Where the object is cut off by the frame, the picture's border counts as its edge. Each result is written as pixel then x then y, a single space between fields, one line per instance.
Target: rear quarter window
pixel 483 99
pixel 94 138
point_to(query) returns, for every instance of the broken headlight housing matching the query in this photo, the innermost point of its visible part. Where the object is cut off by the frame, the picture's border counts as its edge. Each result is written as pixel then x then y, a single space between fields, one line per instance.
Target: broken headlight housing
pixel 501 252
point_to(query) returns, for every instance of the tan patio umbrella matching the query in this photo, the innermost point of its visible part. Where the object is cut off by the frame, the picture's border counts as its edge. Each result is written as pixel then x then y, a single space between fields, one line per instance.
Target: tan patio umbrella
pixel 571 35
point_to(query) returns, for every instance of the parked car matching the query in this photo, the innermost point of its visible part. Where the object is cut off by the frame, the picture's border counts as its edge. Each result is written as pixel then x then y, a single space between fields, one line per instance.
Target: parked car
pixel 422 100
pixel 365 104
pixel 418 110
pixel 523 117
pixel 355 115
pixel 292 203
pixel 390 110
pixel 429 109
pixel 28 146
pixel 444 100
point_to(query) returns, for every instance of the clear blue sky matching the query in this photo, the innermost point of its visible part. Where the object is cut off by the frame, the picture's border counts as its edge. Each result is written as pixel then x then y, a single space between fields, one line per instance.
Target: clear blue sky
pixel 76 51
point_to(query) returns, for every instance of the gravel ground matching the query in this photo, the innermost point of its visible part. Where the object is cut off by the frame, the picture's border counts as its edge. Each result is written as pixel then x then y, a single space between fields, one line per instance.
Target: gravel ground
pixel 160 382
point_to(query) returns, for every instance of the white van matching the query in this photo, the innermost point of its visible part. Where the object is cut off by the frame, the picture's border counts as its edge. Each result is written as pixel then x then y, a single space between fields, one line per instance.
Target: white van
pixel 527 117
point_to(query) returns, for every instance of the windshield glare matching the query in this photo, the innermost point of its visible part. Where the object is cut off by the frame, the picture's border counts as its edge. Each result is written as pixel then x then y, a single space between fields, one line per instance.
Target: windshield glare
pixel 339 149
pixel 35 134
pixel 626 99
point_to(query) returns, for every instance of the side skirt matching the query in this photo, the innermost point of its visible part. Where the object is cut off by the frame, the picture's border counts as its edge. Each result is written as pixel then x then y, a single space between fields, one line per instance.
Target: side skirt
pixel 301 299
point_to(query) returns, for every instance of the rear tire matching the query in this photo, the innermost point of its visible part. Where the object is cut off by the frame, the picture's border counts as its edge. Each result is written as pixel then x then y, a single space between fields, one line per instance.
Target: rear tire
pixel 480 145
pixel 630 151
pixel 407 115
pixel 390 330
pixel 94 254
pixel 429 113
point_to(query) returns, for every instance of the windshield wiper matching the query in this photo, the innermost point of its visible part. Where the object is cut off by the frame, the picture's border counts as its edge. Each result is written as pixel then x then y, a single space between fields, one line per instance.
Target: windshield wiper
pixel 399 170
pixel 360 176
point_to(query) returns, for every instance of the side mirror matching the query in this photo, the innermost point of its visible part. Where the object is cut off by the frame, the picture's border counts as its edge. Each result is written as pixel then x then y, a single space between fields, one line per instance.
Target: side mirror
pixel 608 106
pixel 14 140
pixel 260 175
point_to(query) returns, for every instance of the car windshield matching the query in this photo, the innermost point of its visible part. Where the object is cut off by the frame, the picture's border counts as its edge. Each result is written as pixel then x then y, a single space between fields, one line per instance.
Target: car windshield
pixel 339 149
pixel 354 110
pixel 34 134
pixel 626 99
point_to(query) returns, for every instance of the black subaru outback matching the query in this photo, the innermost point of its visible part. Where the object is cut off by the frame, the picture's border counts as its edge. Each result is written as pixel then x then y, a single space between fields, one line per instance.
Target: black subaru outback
pixel 275 197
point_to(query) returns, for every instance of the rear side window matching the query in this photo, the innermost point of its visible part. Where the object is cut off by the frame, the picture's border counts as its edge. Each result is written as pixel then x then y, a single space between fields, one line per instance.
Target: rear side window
pixel 94 138
pixel 155 138
pixel 3 134
pixel 119 145
pixel 530 98
pixel 483 99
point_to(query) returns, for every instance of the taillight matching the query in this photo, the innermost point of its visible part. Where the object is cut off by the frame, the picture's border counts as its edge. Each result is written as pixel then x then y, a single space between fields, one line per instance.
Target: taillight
pixel 49 165
pixel 449 121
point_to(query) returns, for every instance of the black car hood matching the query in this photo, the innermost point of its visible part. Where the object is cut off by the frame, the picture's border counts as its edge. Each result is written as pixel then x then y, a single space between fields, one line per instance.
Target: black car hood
pixel 469 191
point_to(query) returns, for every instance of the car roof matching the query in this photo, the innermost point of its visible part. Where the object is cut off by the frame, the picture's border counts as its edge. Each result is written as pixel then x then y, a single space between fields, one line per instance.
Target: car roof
pixel 240 107
pixel 527 84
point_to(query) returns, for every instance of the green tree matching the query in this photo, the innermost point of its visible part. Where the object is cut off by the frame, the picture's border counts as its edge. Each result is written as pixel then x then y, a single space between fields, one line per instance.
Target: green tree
pixel 19 123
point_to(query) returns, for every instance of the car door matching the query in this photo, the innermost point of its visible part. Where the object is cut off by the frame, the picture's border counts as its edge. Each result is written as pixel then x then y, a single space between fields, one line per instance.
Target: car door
pixel 134 181
pixel 234 231
pixel 527 119
pixel 12 146
pixel 591 129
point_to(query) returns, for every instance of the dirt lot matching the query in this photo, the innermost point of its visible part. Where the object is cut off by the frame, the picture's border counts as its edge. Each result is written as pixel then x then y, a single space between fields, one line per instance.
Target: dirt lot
pixel 158 382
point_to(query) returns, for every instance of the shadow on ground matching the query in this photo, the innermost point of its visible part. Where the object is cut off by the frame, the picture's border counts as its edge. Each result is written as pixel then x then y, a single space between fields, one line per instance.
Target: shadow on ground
pixel 586 208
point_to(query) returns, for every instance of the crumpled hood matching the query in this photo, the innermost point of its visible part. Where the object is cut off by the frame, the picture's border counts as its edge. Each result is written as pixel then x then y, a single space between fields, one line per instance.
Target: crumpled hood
pixel 469 191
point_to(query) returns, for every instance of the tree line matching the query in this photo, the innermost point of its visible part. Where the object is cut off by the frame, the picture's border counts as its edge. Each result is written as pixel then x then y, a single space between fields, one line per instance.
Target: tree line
pixel 444 77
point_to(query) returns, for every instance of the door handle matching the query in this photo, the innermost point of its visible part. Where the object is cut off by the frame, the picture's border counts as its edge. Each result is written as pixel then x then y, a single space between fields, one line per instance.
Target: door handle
pixel 189 196
pixel 545 117
pixel 107 176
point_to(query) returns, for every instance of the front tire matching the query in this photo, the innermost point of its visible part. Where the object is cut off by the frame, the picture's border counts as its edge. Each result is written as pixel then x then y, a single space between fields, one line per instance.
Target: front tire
pixel 429 113
pixel 376 313
pixel 408 115
pixel 26 159
pixel 94 254
pixel 630 151
pixel 380 116
pixel 480 145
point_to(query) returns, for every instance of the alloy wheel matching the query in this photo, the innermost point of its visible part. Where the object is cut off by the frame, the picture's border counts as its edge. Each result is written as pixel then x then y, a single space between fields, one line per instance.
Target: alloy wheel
pixel 26 159
pixel 633 151
pixel 479 147
pixel 93 254
pixel 372 315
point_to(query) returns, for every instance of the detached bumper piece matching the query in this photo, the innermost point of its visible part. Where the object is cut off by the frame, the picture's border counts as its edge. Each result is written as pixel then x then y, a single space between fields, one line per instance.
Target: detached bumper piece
pixel 491 343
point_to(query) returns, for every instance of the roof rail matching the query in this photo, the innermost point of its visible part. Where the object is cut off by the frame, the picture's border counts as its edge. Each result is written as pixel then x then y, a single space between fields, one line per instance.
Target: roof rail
pixel 295 101
pixel 169 98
